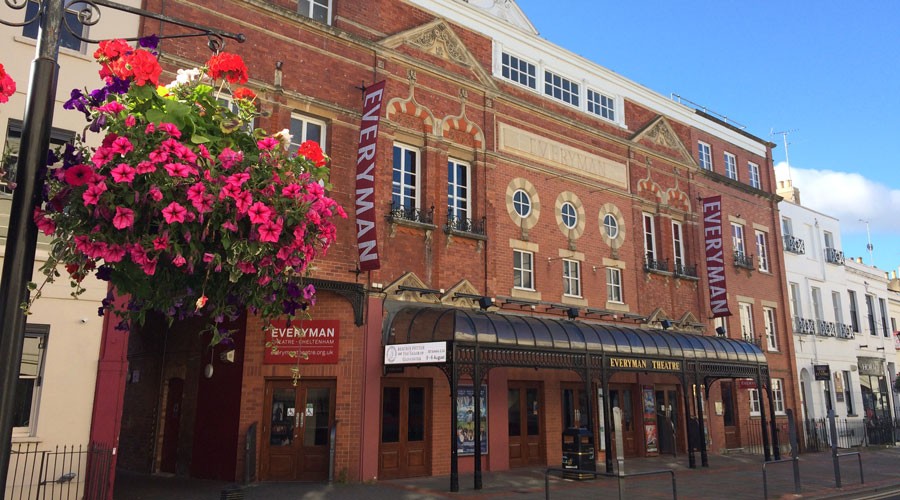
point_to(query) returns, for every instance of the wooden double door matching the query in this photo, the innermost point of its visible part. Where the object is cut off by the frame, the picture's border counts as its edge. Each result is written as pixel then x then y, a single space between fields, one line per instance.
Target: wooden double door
pixel 296 434
pixel 525 424
pixel 404 449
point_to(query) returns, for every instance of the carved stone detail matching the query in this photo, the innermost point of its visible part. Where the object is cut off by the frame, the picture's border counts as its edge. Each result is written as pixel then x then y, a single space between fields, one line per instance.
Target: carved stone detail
pixel 439 41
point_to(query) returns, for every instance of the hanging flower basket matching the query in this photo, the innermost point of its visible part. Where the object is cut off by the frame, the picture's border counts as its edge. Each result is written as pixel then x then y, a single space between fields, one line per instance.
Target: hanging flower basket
pixel 181 207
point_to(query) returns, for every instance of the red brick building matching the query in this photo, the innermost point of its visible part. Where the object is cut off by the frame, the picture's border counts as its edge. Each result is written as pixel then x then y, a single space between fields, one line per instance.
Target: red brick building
pixel 540 229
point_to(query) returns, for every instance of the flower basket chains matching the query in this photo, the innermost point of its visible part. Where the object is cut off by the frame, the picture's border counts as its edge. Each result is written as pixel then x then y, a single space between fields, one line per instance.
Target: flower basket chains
pixel 180 206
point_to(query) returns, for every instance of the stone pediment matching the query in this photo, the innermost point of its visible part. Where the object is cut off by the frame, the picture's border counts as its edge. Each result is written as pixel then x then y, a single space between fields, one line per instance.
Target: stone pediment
pixel 506 11
pixel 438 39
pixel 409 288
pixel 660 136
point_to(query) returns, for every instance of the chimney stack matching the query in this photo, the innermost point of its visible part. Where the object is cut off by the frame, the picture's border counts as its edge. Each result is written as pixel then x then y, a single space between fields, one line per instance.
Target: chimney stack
pixel 787 191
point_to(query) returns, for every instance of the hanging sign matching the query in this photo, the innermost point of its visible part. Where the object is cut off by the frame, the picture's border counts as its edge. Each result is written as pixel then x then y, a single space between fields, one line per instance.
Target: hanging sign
pixel 309 341
pixel 823 372
pixel 366 242
pixel 715 256
pixel 412 354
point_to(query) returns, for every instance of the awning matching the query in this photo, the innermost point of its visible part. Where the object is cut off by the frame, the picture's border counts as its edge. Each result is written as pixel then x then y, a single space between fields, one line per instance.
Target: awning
pixel 414 324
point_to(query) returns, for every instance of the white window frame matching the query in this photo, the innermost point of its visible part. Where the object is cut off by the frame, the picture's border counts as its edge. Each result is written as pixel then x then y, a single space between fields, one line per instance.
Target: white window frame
pixel 39 334
pixel 562 89
pixel 753 397
pixel 521 201
pixel 762 251
pixel 300 131
pixel 731 166
pixel 571 278
pixel 311 9
pixel 508 69
pixel 787 226
pixel 13 140
pixel 648 225
pixel 796 304
pixel 855 323
pixel 818 311
pixel 569 215
pixel 769 324
pixel 614 285
pixel 611 226
pixel 602 105
pixel 400 189
pixel 753 170
pixel 778 396
pixel 459 203
pixel 737 238
pixel 746 313
pixel 838 306
pixel 525 269
pixel 704 156
pixel 678 244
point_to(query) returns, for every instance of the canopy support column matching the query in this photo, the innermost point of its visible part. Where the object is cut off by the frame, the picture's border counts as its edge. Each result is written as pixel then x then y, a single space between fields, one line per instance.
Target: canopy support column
pixel 762 415
pixel 685 391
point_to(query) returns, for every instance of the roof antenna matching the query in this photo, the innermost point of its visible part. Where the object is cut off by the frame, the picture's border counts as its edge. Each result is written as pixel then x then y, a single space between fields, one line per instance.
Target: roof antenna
pixel 787 160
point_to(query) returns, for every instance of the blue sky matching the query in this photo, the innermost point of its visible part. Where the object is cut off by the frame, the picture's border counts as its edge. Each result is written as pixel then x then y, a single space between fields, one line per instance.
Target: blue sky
pixel 826 71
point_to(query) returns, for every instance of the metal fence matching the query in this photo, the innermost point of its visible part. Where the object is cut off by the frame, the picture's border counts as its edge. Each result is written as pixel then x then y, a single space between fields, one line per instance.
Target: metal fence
pixel 63 473
pixel 851 433
pixel 752 439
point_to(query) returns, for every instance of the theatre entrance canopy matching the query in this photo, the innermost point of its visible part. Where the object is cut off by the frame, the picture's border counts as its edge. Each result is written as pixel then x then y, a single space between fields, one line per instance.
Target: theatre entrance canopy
pixel 469 343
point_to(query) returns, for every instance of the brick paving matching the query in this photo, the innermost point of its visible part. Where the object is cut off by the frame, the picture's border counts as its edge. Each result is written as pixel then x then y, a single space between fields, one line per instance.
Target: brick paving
pixel 732 477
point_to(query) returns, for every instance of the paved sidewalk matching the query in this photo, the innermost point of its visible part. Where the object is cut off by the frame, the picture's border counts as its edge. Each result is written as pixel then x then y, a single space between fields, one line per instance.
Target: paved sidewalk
pixel 734 477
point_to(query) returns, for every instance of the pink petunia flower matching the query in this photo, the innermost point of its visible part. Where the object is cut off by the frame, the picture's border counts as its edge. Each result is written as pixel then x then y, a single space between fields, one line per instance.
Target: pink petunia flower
pixel 174 213
pixel 259 213
pixel 145 167
pixel 122 146
pixel 113 108
pixel 124 218
pixel 170 129
pixel 271 231
pixel 268 143
pixel 161 242
pixel 229 158
pixel 123 173
pixel 92 194
pixel 178 170
pixel 178 261
pixel 155 193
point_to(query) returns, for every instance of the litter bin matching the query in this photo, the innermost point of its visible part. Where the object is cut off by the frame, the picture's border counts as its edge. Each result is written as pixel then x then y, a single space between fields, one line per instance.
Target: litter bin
pixel 578 452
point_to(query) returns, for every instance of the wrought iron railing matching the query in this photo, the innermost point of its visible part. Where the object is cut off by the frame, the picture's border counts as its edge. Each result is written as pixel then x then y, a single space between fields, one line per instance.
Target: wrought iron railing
pixel 834 256
pixel 827 328
pixel 61 472
pixel 845 331
pixel 660 265
pixel 805 326
pixel 686 270
pixel 794 245
pixel 851 432
pixel 743 260
pixel 411 214
pixel 471 226
pixel 752 439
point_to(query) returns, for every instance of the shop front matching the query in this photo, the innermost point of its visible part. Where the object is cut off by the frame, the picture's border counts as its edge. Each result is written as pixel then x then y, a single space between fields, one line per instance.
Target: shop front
pixel 541 376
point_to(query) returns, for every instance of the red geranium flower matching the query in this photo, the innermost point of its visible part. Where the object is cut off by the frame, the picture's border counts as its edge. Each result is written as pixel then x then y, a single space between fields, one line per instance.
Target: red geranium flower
pixel 312 152
pixel 144 66
pixel 228 66
pixel 244 93
pixel 7 85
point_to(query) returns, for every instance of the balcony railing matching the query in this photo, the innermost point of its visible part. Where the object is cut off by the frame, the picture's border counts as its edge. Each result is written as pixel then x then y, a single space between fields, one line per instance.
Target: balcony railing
pixel 804 326
pixel 845 331
pixel 686 270
pixel 658 265
pixel 834 256
pixel 794 245
pixel 743 260
pixel 471 226
pixel 827 328
pixel 410 214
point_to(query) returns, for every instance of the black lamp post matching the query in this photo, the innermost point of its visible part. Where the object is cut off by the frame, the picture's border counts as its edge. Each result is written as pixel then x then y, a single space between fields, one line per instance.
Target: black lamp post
pixel 21 240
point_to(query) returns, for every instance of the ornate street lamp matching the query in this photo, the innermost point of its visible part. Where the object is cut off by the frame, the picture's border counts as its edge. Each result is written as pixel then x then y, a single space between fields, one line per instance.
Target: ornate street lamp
pixel 21 239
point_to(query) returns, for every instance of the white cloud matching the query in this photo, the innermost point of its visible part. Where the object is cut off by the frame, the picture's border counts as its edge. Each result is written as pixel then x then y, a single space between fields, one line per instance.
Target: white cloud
pixel 847 196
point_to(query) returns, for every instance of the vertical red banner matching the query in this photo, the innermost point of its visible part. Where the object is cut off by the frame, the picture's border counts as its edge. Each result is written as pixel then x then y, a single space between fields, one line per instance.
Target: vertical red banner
pixel 366 157
pixel 715 256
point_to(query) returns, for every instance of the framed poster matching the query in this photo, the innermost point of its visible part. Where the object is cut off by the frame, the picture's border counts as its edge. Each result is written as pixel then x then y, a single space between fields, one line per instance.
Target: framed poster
pixel 465 420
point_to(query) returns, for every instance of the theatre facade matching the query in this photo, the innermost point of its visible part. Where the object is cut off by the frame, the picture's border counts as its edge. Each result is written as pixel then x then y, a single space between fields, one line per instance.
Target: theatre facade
pixel 535 244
